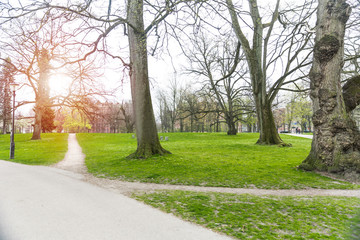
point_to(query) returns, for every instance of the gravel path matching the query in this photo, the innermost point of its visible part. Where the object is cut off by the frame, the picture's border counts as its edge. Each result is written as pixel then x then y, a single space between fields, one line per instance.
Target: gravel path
pixel 74 162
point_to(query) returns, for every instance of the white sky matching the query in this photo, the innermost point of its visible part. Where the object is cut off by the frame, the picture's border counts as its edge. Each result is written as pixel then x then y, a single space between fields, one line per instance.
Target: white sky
pixel 160 68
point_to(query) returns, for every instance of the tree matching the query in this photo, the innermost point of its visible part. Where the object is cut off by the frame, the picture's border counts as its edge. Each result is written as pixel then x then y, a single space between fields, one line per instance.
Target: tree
pixel 148 143
pixel 218 64
pixel 42 93
pixel 293 41
pixel 170 100
pixel 193 107
pixel 75 121
pixel 127 116
pixel 47 120
pixel 336 143
pixel 6 77
pixel 299 110
pixel 303 113
pixel 40 48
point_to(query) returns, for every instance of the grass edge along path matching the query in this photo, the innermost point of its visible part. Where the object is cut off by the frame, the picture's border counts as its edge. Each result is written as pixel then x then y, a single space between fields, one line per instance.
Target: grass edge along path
pixel 50 149
pixel 206 159
pixel 260 217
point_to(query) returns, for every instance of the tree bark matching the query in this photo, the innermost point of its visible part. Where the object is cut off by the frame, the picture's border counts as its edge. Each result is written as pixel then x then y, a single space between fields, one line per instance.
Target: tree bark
pixel 336 142
pixel 268 131
pixel 42 94
pixel 148 143
pixel 231 125
pixel 351 93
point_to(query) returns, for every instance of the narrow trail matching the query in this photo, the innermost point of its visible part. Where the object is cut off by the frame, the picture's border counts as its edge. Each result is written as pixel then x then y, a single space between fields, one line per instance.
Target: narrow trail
pixel 300 135
pixel 74 161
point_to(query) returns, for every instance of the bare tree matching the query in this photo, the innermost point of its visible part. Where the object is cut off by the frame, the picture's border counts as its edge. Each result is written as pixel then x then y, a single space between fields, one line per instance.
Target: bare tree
pixel 289 46
pixel 39 45
pixel 128 116
pixel 336 143
pixel 217 64
pixel 170 99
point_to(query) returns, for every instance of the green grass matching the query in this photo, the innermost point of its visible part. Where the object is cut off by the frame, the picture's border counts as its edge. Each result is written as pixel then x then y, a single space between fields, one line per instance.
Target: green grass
pixel 265 217
pixel 206 159
pixel 354 233
pixel 49 150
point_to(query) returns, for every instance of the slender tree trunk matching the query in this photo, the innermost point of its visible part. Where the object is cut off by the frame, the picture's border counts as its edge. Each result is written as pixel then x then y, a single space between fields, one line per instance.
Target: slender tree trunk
pixel 336 142
pixel 181 125
pixel 6 107
pixel 148 143
pixel 191 123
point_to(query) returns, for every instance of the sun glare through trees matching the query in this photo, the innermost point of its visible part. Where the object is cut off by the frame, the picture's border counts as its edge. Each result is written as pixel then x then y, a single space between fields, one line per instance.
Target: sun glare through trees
pixel 207 72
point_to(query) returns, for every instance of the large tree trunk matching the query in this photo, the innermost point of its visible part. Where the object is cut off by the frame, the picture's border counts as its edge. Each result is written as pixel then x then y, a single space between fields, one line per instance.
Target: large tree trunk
pixel 231 125
pixel 267 126
pixel 148 143
pixel 336 143
pixel 42 94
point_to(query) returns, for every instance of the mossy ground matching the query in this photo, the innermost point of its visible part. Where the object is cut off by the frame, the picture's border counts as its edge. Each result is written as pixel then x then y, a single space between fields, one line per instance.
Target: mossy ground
pixel 261 217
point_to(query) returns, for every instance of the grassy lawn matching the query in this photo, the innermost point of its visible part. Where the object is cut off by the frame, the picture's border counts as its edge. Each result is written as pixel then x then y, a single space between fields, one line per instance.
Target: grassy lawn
pixel 49 150
pixel 255 217
pixel 206 159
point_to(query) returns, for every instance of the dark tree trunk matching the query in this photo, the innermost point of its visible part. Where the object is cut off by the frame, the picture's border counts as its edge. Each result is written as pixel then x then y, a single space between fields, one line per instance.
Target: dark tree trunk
pixel 267 127
pixel 148 143
pixel 181 125
pixel 231 126
pixel 336 143
pixel 191 123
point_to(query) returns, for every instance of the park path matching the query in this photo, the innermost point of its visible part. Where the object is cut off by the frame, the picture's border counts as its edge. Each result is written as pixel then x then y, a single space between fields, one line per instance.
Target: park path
pixel 74 161
pixel 300 135
pixel 42 203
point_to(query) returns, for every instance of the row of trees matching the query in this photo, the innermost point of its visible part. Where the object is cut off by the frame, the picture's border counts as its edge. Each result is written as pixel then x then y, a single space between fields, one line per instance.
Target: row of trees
pixel 268 50
pixel 187 110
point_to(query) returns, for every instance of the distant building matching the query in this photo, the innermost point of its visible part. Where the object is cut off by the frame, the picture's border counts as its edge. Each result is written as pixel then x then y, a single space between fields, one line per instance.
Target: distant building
pixel 112 118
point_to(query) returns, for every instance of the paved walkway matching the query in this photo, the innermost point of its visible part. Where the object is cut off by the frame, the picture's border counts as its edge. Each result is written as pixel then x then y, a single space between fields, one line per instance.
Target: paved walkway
pixel 43 203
